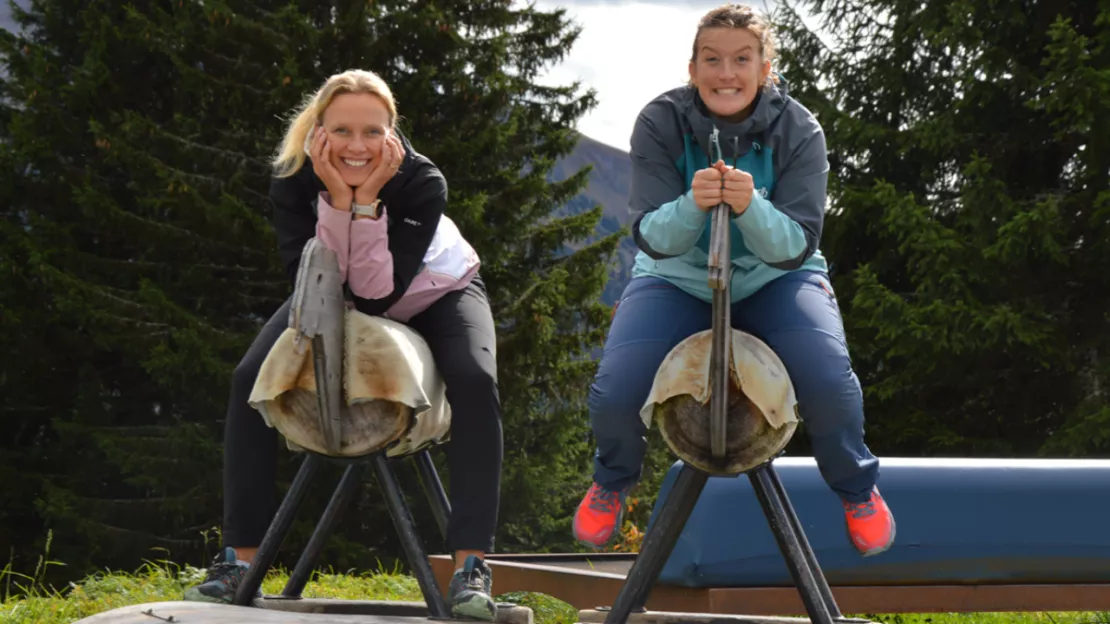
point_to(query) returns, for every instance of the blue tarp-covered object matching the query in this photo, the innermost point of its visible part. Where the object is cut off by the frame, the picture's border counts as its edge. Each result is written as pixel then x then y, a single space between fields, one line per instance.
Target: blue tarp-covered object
pixel 959 521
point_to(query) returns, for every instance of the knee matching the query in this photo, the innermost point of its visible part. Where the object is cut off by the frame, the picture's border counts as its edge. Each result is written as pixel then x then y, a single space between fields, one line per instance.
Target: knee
pixel 475 380
pixel 828 391
pixel 473 391
pixel 614 402
pixel 829 397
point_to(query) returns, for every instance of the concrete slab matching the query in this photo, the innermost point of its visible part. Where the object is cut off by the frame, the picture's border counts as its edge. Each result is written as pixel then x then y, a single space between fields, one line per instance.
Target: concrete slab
pixel 304 611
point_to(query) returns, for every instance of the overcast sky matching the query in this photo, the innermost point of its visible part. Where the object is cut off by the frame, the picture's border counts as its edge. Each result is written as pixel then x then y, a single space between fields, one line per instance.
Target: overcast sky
pixel 628 51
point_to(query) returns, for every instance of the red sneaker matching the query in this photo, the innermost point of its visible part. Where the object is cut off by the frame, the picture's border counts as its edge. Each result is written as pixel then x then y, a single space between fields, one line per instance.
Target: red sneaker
pixel 870 524
pixel 598 517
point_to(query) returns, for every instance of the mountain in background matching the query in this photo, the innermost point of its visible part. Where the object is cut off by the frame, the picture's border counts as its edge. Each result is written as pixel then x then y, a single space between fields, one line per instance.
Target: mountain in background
pixel 608 187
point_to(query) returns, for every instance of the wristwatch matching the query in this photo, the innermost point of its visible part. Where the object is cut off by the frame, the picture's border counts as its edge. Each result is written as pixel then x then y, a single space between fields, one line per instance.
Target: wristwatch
pixel 369 210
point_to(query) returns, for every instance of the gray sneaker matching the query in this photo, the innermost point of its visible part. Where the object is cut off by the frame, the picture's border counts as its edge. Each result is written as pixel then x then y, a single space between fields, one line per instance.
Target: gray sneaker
pixel 222 581
pixel 469 592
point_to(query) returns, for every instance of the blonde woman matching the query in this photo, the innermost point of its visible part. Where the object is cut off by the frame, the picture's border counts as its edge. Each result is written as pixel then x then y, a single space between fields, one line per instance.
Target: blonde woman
pixel 346 175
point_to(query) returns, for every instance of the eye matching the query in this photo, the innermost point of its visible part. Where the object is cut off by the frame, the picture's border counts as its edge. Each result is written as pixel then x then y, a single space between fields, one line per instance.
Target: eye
pixel 742 59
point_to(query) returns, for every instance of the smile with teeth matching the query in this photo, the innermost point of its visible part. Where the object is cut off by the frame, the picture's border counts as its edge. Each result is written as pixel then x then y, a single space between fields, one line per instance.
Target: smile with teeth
pixel 355 164
pixel 732 91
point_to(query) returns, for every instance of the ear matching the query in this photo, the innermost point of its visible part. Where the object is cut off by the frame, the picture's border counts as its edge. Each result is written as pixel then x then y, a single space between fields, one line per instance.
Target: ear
pixel 766 70
pixel 690 69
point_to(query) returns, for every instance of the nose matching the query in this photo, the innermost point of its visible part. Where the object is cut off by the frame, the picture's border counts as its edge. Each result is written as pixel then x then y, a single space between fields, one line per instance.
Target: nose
pixel 357 144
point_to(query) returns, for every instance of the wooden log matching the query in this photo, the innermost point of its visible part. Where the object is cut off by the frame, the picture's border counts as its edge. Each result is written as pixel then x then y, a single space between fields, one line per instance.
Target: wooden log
pixel 380 388
pixel 761 413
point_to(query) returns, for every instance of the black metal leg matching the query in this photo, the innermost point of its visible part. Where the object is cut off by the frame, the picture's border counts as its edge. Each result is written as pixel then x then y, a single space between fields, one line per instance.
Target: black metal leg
pixel 807 551
pixel 348 485
pixel 410 541
pixel 658 544
pixel 279 527
pixel 433 487
pixel 787 536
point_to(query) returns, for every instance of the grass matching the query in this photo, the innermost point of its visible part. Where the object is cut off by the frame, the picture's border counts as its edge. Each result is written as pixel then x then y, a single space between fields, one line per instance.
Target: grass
pixel 165 581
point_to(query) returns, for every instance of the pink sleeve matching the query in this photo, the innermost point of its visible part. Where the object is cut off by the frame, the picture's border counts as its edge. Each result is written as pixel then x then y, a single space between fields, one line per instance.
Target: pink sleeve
pixel 370 264
pixel 333 229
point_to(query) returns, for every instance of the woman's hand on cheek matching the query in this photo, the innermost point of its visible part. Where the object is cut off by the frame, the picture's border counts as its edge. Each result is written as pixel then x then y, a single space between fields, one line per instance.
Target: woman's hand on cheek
pixel 341 194
pixel 384 168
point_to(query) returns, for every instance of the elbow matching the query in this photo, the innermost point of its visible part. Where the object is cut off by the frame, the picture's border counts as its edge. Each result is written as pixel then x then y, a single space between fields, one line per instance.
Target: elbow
pixel 794 262
pixel 373 291
pixel 655 253
pixel 791 264
pixel 376 286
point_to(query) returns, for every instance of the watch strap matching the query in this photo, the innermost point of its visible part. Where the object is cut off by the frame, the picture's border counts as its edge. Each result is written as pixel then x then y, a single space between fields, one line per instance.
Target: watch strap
pixel 368 210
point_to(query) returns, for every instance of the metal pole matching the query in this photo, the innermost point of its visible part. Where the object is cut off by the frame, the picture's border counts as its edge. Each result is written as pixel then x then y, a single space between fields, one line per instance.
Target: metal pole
pixel 719 374
pixel 807 551
pixel 720 262
pixel 410 541
pixel 658 544
pixel 275 535
pixel 348 485
pixel 790 545
pixel 433 487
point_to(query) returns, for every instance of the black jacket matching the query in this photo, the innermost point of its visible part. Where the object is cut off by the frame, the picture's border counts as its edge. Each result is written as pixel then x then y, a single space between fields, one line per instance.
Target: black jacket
pixel 414 201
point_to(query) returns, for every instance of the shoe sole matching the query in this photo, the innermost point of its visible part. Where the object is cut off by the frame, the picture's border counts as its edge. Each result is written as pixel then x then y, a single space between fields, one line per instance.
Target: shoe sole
pixel 193 595
pixel 477 608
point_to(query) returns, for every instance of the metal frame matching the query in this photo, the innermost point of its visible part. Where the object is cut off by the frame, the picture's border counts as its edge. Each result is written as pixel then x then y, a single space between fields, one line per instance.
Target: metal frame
pixel 317 314
pixel 348 483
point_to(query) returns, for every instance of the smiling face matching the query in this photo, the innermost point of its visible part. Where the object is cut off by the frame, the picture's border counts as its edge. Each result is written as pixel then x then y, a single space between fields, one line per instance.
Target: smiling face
pixel 728 70
pixel 357 125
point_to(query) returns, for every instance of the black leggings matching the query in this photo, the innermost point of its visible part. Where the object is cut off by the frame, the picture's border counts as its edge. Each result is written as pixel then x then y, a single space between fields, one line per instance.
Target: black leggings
pixel 460 333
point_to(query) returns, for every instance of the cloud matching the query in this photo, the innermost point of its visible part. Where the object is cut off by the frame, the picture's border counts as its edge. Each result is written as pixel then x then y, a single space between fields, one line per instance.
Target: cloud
pixel 7 22
pixel 629 52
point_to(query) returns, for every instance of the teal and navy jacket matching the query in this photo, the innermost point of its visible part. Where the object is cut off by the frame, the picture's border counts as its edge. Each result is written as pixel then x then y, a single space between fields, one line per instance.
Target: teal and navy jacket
pixel 783 148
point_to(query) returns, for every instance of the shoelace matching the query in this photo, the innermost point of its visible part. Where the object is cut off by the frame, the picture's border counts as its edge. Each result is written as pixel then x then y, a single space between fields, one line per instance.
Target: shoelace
pixel 862 510
pixel 476 579
pixel 228 572
pixel 603 500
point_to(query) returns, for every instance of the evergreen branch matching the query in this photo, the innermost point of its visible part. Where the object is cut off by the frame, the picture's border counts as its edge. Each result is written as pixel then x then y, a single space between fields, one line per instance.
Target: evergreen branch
pixel 135 532
pixel 123 320
pixel 83 286
pixel 164 265
pixel 100 291
pixel 238 156
pixel 159 225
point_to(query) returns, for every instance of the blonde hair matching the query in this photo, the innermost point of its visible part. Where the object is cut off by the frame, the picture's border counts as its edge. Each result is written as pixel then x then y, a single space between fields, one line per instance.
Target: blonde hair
pixel 290 156
pixel 740 16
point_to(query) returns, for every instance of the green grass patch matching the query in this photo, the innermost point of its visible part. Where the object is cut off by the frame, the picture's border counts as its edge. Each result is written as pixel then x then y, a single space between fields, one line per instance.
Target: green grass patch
pixel 160 582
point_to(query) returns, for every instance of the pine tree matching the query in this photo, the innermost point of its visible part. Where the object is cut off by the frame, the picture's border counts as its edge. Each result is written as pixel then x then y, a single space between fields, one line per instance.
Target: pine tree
pixel 135 138
pixel 968 225
pixel 142 262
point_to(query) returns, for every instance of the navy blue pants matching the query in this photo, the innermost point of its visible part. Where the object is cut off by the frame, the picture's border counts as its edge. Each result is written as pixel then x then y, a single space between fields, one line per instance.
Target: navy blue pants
pixel 796 315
